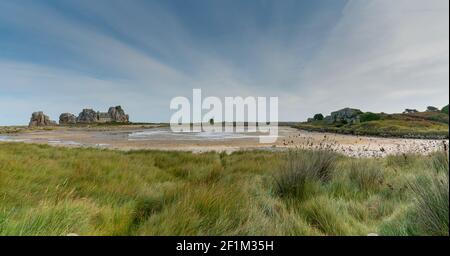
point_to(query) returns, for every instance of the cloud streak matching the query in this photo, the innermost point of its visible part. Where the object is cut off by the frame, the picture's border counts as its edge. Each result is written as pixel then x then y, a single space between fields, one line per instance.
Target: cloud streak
pixel 317 56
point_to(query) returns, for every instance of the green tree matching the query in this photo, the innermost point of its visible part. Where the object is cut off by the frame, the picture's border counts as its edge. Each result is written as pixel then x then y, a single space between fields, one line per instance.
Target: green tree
pixel 318 117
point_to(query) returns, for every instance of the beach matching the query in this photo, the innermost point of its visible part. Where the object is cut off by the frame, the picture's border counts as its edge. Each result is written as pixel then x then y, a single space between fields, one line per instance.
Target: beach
pixel 129 137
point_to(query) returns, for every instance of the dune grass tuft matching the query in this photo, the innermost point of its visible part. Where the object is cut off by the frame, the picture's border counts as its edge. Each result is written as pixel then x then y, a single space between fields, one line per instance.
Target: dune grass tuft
pixel 367 175
pixel 302 170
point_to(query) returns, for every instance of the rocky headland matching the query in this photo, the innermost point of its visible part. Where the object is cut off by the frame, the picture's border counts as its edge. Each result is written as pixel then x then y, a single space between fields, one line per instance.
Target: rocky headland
pixel 87 116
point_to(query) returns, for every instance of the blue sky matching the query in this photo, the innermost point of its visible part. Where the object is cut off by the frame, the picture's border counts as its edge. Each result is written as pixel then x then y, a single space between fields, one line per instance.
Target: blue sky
pixel 316 56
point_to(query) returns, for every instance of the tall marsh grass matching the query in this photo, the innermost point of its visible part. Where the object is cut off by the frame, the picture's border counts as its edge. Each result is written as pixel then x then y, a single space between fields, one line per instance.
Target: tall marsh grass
pixel 429 211
pixel 431 196
pixel 56 191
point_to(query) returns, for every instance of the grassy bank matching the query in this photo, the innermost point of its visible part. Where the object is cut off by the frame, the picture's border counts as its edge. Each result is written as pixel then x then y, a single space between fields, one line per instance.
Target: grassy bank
pixel 426 125
pixel 12 129
pixel 55 191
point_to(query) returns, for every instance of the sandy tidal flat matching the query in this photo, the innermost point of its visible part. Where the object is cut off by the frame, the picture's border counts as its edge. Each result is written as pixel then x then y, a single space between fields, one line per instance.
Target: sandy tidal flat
pixel 133 138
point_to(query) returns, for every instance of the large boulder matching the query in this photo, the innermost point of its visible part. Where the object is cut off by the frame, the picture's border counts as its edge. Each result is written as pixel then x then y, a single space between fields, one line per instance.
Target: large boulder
pixel 104 117
pixel 40 119
pixel 410 111
pixel 117 114
pixel 67 118
pixel 346 115
pixel 87 116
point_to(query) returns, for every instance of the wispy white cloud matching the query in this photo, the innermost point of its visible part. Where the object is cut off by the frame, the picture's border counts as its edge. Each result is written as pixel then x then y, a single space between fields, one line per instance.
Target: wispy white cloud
pixel 377 55
pixel 385 56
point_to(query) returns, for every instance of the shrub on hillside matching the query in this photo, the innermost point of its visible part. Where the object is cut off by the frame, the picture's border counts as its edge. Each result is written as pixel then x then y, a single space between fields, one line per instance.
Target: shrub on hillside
pixel 445 110
pixel 369 116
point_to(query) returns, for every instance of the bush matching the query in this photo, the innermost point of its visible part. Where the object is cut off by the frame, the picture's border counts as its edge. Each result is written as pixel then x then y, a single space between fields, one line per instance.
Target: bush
pixel 301 170
pixel 445 110
pixel 369 116
pixel 318 117
pixel 432 109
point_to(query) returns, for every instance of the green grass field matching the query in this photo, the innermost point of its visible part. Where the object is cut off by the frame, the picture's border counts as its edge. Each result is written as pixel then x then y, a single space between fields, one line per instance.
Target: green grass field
pixel 56 191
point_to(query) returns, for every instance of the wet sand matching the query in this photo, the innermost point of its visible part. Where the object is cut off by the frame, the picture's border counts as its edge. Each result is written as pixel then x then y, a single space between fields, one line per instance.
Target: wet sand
pixel 160 138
